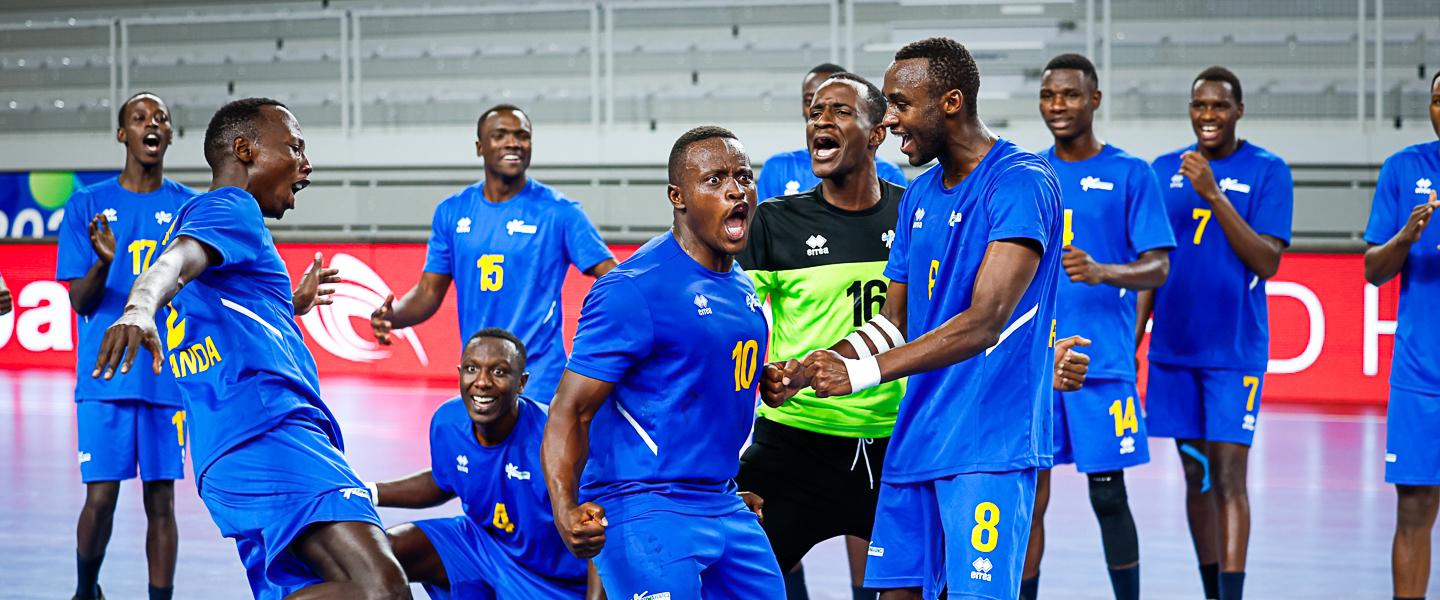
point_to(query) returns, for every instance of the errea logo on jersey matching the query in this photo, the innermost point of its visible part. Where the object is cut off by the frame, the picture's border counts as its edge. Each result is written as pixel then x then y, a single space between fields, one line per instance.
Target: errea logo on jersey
pixel 110 215
pixel 84 457
pixel 1422 186
pixel 646 595
pixel 514 472
pixel 919 218
pixel 817 245
pixel 515 226
pixel 1248 423
pixel 1177 181
pixel 792 187
pixel 702 305
pixel 1127 445
pixel 1094 183
pixel 463 225
pixel 163 217
pixel 1229 184
pixel 982 569
pixel 462 463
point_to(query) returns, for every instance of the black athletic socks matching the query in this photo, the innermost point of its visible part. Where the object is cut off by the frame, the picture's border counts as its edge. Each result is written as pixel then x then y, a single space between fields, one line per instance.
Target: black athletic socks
pixel 863 593
pixel 1125 582
pixel 1030 588
pixel 1404 598
pixel 795 585
pixel 1232 586
pixel 1210 579
pixel 165 593
pixel 87 580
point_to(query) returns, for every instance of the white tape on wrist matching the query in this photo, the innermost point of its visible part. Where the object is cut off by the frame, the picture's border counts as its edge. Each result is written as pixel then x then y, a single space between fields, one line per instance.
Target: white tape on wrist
pixel 374 492
pixel 857 342
pixel 890 330
pixel 864 373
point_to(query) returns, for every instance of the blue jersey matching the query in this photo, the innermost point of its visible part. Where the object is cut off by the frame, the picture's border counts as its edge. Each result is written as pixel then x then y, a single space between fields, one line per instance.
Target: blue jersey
pixel 683 346
pixel 509 261
pixel 1211 312
pixel 991 412
pixel 139 221
pixel 1114 212
pixel 789 173
pixel 501 487
pixel 231 339
pixel 1407 180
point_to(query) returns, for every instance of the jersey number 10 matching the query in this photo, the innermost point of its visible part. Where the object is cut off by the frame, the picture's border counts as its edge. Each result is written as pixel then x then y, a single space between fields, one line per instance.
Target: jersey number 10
pixel 747 357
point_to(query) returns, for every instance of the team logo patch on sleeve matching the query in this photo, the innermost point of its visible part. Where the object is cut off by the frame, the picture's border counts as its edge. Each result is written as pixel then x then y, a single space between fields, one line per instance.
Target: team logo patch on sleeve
pixel 1422 186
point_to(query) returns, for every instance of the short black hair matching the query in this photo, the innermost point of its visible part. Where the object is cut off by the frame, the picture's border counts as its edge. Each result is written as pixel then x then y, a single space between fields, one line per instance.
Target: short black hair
pixel 951 67
pixel 689 138
pixel 1075 62
pixel 1433 78
pixel 494 109
pixel 501 334
pixel 120 113
pixel 875 103
pixel 1219 73
pixel 831 68
pixel 235 119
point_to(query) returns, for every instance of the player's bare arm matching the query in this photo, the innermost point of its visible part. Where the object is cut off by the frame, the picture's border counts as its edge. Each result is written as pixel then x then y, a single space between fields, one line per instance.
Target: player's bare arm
pixel 417 305
pixel 781 380
pixel 180 264
pixel 1383 262
pixel 563 455
pixel 1005 273
pixel 85 292
pixel 601 268
pixel 310 292
pixel 1259 252
pixel 1144 273
pixel 414 491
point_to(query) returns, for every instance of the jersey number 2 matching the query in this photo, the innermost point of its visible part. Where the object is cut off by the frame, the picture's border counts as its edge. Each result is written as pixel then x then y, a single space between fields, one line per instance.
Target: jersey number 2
pixel 747 357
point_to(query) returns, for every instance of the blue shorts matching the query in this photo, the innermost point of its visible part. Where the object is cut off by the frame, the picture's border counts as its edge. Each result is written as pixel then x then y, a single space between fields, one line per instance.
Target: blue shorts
pixel 116 435
pixel 1215 405
pixel 1101 427
pixel 479 569
pixel 966 532
pixel 663 555
pixel 265 492
pixel 1411 455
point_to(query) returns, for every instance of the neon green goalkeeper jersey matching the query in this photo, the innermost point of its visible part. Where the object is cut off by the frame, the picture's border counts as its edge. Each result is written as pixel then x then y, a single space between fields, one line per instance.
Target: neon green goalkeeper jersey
pixel 822 267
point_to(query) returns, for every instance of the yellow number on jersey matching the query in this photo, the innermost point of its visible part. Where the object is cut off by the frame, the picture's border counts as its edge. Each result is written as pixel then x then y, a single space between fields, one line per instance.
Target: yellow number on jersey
pixel 747 357
pixel 1124 414
pixel 1202 215
pixel 984 537
pixel 1069 230
pixel 135 247
pixel 934 270
pixel 501 520
pixel 179 421
pixel 492 272
pixel 1252 382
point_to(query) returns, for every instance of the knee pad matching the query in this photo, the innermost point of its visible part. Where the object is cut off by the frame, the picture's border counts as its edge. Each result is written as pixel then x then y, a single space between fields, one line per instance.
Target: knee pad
pixel 1117 525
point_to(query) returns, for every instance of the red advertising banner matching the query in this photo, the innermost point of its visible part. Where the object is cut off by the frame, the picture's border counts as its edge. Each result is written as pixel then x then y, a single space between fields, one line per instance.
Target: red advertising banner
pixel 1331 333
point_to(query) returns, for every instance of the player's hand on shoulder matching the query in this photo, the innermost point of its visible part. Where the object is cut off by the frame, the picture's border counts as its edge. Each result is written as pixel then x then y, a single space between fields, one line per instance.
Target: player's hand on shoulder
pixel 1071 365
pixel 1420 219
pixel 582 528
pixel 311 292
pixel 780 380
pixel 755 503
pixel 102 239
pixel 380 320
pixel 1196 168
pixel 826 372
pixel 1081 267
pixel 123 340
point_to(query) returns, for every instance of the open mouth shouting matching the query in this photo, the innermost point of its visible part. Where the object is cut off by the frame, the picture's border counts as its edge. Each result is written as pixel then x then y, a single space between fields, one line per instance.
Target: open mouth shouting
pixel 737 222
pixel 152 142
pixel 824 147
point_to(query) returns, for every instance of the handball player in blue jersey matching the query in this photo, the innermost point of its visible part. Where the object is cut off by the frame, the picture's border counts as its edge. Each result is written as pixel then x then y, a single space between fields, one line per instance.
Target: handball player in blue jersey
pixel 789 173
pixel 266 450
pixel 1117 241
pixel 979 237
pixel 507 243
pixel 108 237
pixel 1229 203
pixel 1403 242
pixel 660 395
pixel 485 449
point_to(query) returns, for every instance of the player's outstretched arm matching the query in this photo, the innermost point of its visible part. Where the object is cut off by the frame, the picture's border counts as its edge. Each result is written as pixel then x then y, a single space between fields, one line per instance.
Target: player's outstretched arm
pixel 85 292
pixel 417 305
pixel 1383 262
pixel 1259 252
pixel 415 491
pixel 1145 273
pixel 311 293
pixel 563 453
pixel 181 263
pixel 782 379
pixel 1005 272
